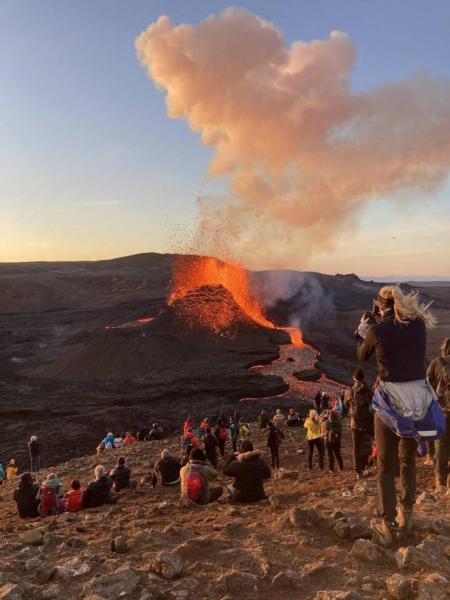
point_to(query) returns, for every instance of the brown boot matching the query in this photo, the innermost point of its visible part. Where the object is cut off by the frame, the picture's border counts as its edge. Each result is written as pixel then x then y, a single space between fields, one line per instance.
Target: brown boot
pixel 383 532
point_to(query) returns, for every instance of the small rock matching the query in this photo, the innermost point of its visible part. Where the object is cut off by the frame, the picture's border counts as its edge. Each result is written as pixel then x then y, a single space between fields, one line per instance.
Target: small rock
pixel 342 529
pixel 285 579
pixel 425 498
pixel 32 564
pixel 302 517
pixel 44 574
pixel 119 545
pixel 51 593
pixel 408 556
pixel 31 537
pixel 337 514
pixel 75 542
pixel 285 474
pixel 121 584
pixel 275 502
pixel 400 587
pixel 167 564
pixel 367 551
pixel 51 539
pixel 237 582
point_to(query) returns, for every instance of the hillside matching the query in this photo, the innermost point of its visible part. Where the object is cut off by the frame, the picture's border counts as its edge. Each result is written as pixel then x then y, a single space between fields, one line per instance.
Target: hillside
pixel 308 541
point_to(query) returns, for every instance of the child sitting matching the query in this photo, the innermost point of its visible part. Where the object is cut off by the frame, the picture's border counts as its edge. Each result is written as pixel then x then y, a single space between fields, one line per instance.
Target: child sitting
pixel 11 470
pixel 74 497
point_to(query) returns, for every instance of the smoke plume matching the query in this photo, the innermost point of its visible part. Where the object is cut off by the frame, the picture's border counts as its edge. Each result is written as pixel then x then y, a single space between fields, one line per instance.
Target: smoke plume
pixel 303 152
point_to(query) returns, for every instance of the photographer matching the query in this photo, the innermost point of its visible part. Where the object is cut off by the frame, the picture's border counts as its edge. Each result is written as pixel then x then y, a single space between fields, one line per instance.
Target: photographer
pixel 398 340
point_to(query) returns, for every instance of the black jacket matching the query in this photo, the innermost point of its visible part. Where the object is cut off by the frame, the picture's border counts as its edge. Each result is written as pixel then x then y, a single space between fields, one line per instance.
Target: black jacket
pixel 399 349
pixel 358 404
pixel 25 498
pixel 120 477
pixel 249 471
pixel 210 442
pixel 168 470
pixel 34 448
pixel 98 492
pixel 273 438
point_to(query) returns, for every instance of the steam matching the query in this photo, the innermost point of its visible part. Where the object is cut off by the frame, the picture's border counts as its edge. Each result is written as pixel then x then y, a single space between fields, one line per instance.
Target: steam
pixel 302 151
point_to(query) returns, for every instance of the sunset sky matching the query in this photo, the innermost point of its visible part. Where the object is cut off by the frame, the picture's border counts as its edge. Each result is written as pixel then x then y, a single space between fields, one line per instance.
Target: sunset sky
pixel 91 166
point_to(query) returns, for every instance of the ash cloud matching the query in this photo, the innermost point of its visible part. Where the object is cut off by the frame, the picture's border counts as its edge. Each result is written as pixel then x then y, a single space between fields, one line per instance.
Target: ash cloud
pixel 303 152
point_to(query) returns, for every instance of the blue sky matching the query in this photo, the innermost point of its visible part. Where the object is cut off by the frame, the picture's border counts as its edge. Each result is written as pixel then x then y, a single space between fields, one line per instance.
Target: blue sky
pixel 91 167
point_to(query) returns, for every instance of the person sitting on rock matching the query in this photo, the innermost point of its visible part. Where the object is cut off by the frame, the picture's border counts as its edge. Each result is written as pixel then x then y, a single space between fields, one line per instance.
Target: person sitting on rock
pixel 109 442
pixel 74 497
pixel 120 475
pixel 118 442
pixel 129 439
pixel 25 497
pixel 263 419
pixel 98 491
pixel 195 478
pixel 166 470
pixel 2 475
pixel 156 432
pixel 293 419
pixel 50 496
pixel 11 470
pixel 249 472
pixel 278 419
pixel 211 444
pixel 314 436
pixel 274 440
pixel 142 434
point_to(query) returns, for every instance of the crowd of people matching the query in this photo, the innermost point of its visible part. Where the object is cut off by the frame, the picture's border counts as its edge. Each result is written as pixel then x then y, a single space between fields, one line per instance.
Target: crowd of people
pixel 389 422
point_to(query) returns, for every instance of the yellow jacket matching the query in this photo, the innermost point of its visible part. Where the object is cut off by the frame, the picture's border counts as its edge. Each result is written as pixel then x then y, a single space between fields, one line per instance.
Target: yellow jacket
pixel 314 429
pixel 11 472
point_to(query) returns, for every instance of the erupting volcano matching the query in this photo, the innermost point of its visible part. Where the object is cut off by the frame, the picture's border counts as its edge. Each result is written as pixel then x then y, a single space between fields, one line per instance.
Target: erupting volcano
pixel 218 280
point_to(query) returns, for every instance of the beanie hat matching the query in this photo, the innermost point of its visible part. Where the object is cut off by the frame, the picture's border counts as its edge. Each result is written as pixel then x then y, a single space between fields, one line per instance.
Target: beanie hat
pixel 33 438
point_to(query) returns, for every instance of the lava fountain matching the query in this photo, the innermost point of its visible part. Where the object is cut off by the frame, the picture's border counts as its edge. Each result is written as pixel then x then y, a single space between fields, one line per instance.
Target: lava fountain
pixel 192 272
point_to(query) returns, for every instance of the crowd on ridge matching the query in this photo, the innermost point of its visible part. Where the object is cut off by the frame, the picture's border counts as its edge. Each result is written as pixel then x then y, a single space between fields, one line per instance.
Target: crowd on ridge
pixel 379 416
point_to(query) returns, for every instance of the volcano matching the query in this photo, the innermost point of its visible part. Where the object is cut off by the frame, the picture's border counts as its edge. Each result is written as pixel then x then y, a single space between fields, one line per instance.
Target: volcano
pixel 206 321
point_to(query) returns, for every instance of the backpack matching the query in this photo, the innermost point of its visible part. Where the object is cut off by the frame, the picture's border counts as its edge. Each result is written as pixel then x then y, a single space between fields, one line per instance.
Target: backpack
pixel 223 433
pixel 278 438
pixel 195 484
pixel 443 387
pixel 48 499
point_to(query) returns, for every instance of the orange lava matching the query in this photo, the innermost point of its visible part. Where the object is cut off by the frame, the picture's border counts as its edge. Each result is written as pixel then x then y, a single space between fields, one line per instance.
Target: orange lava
pixel 192 272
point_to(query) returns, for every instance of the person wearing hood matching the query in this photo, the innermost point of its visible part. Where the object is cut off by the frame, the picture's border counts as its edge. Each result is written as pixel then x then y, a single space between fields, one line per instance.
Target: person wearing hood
pixel 249 472
pixel 156 432
pixel 361 418
pixel 195 477
pixel 50 495
pixel 278 420
pixel 34 450
pixel 11 470
pixel 439 376
pixel 98 491
pixel 109 442
pixel 25 497
pixel 398 339
pixel 120 475
pixel 2 475
pixel 166 470
pixel 263 419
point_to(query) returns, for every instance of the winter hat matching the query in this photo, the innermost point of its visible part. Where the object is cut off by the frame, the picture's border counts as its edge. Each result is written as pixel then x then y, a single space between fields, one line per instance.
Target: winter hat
pixel 165 453
pixel 33 438
pixel 75 485
pixel 121 460
pixel 99 471
pixel 358 375
pixel 197 454
pixel 110 435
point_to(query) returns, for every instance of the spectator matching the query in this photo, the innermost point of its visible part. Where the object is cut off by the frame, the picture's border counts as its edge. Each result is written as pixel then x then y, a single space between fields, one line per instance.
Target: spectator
pixel 74 497
pixel 143 433
pixel 293 419
pixel 156 432
pixel 129 439
pixel 98 491
pixel 361 418
pixel 167 470
pixel 314 436
pixel 234 432
pixel 278 419
pixel 211 443
pixel 120 475
pixel 25 497
pixel 318 402
pixel 188 424
pixel 109 442
pixel 333 437
pixel 11 470
pixel 195 478
pixel 2 475
pixel 34 450
pixel 249 472
pixel 50 496
pixel 263 419
pixel 274 439
pixel 221 434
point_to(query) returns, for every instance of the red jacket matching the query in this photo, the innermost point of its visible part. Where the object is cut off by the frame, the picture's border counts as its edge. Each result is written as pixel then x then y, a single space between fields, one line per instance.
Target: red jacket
pixel 74 500
pixel 187 425
pixel 128 439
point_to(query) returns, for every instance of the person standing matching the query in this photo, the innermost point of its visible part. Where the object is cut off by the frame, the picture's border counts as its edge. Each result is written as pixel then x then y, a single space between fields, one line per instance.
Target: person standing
pixel 210 444
pixel 278 420
pixel 221 433
pixel 359 405
pixel 263 419
pixel 314 436
pixel 34 450
pixel 274 439
pixel 234 432
pixel 398 341
pixel 333 436
pixel 439 376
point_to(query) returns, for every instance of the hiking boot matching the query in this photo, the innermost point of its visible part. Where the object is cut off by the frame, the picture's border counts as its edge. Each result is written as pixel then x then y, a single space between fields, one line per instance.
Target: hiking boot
pixel 405 519
pixel 383 532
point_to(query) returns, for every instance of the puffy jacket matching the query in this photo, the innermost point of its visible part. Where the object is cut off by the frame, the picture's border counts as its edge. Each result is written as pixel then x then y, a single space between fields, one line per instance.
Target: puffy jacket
pixel 399 349
pixel 109 440
pixel 11 472
pixel 74 500
pixel 168 470
pixel 120 477
pixel 361 416
pixel 25 498
pixel 313 429
pixel 128 439
pixel 249 472
pixel 278 421
pixel 205 469
pixel 98 492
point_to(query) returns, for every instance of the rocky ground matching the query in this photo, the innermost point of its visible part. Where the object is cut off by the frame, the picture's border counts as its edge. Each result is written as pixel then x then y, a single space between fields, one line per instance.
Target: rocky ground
pixel 309 540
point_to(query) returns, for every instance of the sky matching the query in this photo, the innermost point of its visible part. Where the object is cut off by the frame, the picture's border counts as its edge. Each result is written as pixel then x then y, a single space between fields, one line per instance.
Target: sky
pixel 91 167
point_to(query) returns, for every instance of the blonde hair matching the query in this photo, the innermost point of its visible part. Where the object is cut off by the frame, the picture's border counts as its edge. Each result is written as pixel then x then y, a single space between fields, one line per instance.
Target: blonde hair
pixel 407 306
pixel 313 414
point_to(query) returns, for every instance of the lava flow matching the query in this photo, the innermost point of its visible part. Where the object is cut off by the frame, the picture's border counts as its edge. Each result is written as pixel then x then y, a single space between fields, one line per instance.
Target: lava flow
pixel 192 272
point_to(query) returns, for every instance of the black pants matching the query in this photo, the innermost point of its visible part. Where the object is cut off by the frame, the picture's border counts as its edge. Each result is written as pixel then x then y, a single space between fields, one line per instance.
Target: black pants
pixel 222 447
pixel 275 458
pixel 334 450
pixel 360 454
pixel 394 452
pixel 443 455
pixel 318 443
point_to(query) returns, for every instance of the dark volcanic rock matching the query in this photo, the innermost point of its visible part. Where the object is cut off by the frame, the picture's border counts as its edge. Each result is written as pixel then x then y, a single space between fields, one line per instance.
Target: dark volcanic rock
pixel 308 375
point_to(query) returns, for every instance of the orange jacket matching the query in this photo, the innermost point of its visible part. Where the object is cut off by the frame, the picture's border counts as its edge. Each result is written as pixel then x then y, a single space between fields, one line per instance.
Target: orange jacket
pixel 74 500
pixel 193 440
pixel 187 425
pixel 128 439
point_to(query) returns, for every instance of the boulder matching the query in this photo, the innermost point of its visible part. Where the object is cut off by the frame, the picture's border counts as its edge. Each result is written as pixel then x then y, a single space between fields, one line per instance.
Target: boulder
pixel 367 551
pixel 400 587
pixel 342 529
pixel 119 545
pixel 409 556
pixel 237 582
pixel 285 579
pixel 31 537
pixel 304 517
pixel 167 564
pixel 308 374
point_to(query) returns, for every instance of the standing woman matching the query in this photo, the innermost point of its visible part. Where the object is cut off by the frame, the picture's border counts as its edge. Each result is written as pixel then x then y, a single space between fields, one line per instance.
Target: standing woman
pixel 314 436
pixel 399 342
